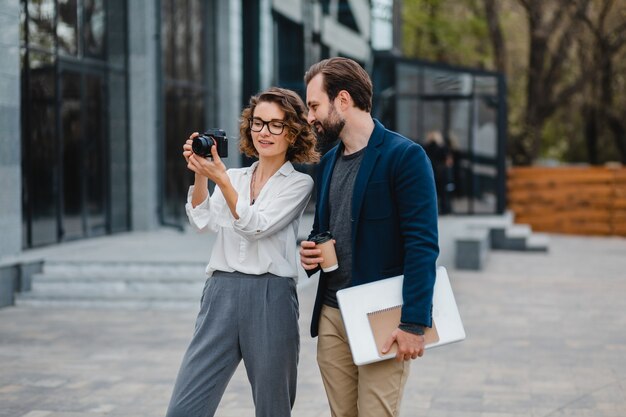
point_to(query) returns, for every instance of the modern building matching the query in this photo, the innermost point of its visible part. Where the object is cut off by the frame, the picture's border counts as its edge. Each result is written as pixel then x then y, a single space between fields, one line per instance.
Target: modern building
pixel 97 97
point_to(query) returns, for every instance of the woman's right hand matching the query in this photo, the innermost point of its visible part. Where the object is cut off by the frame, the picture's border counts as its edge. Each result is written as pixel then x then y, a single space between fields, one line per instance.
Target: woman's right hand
pixel 187 151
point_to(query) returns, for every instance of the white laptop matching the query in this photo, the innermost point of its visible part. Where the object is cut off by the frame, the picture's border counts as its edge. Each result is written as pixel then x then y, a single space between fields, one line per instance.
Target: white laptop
pixel 361 304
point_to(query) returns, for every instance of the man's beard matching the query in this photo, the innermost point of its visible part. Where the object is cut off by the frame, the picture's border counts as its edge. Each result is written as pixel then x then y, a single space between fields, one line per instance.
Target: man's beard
pixel 331 127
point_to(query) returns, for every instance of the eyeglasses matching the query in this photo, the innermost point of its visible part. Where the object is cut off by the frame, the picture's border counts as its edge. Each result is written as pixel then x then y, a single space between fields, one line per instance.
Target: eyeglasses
pixel 274 126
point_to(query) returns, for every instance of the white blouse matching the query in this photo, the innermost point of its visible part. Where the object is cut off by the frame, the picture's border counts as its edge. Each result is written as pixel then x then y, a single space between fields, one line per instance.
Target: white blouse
pixel 264 238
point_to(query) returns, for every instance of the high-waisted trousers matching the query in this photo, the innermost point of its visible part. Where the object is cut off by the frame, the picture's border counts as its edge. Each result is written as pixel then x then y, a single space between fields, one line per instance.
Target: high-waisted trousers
pixel 253 318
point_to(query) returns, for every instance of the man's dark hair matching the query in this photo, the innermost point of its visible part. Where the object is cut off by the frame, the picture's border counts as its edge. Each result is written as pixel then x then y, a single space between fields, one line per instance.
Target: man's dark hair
pixel 344 74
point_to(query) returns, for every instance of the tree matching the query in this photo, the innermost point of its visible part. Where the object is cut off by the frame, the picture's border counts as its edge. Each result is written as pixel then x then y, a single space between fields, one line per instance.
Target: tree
pixel 608 32
pixel 565 62
pixel 552 76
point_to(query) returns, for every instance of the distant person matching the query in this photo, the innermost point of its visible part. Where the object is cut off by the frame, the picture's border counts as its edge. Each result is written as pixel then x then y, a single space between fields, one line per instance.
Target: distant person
pixel 249 306
pixel 376 195
pixel 440 157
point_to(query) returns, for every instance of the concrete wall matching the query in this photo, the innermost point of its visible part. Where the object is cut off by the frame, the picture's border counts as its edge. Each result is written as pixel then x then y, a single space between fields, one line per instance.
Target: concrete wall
pixel 143 99
pixel 10 130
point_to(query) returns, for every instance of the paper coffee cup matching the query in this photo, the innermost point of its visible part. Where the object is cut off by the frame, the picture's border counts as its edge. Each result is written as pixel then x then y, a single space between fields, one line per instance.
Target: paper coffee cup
pixel 324 242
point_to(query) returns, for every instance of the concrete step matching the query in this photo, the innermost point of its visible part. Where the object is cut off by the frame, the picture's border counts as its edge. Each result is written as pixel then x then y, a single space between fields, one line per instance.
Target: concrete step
pixel 118 301
pixel 45 283
pixel 134 269
pixel 116 285
pixel 538 242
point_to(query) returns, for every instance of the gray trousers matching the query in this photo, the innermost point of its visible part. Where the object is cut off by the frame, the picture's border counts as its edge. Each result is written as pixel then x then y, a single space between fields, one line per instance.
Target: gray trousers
pixel 249 317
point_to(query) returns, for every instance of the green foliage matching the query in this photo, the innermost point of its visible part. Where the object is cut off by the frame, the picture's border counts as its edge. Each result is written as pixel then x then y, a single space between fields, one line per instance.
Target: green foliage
pixel 457 33
pixel 446 31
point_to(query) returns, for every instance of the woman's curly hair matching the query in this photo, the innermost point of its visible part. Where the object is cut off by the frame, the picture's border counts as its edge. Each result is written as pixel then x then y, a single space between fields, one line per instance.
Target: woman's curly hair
pixel 302 148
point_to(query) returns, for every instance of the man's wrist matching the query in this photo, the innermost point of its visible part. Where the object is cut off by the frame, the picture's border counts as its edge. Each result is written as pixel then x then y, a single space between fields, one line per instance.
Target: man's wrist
pixel 412 328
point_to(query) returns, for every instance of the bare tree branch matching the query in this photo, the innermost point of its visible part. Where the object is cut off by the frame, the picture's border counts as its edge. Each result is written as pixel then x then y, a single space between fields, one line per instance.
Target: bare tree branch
pixel 495 34
pixel 525 4
pixel 619 38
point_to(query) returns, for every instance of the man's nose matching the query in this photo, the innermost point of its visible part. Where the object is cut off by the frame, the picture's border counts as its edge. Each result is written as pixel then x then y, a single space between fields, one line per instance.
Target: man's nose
pixel 310 117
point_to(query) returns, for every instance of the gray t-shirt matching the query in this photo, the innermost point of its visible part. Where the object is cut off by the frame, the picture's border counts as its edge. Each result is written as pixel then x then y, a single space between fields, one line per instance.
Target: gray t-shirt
pixel 340 205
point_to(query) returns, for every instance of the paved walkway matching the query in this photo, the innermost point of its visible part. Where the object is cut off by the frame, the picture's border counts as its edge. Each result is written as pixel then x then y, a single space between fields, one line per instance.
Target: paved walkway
pixel 546 338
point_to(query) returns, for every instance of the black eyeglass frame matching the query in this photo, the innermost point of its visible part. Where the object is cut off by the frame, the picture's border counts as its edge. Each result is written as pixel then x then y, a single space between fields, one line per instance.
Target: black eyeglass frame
pixel 268 124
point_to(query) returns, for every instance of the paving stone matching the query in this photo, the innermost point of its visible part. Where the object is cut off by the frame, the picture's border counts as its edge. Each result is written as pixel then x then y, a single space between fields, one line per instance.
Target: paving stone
pixel 546 337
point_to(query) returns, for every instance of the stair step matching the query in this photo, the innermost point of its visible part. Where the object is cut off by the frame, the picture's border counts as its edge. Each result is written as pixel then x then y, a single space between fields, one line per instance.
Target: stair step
pixel 538 242
pixel 117 302
pixel 517 231
pixel 115 287
pixel 134 269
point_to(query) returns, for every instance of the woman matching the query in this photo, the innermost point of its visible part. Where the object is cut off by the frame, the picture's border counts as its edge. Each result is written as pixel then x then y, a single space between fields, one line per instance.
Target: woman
pixel 249 307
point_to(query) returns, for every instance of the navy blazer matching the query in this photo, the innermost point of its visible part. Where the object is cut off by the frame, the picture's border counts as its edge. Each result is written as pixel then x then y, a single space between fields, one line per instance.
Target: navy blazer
pixel 394 221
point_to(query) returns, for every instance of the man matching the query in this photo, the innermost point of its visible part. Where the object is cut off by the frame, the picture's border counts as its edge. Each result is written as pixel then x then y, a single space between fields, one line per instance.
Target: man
pixel 376 194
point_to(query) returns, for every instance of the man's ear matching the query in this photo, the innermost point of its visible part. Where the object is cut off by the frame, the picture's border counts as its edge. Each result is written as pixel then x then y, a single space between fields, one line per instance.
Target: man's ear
pixel 345 100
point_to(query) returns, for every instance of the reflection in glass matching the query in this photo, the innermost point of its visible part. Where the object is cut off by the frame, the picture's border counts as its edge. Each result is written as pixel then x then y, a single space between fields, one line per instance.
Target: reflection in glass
pixel 196 29
pixel 434 117
pixel 485 85
pixel 40 151
pixel 182 44
pixel 167 43
pixel 41 24
pixel 408 79
pixel 182 38
pixel 72 222
pixel 446 82
pixel 408 118
pixel 93 27
pixel 95 156
pixel 291 59
pixel 66 133
pixel 67 27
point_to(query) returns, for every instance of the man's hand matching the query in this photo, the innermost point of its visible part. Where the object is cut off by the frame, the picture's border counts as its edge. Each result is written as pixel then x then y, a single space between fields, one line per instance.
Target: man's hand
pixel 310 257
pixel 410 346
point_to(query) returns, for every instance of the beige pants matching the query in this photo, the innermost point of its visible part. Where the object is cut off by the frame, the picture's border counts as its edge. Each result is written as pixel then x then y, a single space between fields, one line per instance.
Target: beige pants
pixel 369 390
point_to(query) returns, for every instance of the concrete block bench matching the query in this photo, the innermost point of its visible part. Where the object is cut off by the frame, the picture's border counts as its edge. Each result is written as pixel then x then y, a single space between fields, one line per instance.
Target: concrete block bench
pixel 471 249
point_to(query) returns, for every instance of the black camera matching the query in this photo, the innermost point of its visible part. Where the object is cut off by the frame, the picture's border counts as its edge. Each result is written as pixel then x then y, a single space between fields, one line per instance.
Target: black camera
pixel 202 144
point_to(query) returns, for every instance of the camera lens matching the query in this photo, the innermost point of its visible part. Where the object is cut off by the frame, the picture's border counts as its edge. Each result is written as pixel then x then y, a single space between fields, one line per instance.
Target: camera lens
pixel 201 145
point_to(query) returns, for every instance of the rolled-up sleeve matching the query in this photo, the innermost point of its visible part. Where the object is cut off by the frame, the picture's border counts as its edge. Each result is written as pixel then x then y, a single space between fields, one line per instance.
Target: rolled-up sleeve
pixel 256 222
pixel 200 217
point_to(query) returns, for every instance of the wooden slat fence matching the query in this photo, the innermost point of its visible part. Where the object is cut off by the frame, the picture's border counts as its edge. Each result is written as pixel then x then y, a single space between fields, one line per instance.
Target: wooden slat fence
pixel 574 200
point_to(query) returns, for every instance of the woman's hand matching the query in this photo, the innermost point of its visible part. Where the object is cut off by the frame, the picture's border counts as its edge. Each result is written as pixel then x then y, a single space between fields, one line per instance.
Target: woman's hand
pixel 187 151
pixel 214 169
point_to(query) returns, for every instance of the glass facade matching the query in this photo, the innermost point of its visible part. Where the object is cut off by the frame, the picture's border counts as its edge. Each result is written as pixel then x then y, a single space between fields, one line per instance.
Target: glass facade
pixel 185 34
pixel 74 119
pixel 468 108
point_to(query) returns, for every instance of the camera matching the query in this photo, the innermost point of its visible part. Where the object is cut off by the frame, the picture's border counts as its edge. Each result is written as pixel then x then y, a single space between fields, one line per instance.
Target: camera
pixel 202 144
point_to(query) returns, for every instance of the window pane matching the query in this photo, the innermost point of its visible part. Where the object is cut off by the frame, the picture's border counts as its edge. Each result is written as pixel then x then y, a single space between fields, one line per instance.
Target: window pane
pixel 118 153
pixel 290 38
pixel 67 27
pixel 196 31
pixel 176 130
pixel 41 24
pixel 41 168
pixel 95 155
pixel 72 156
pixel 167 43
pixel 446 82
pixel 94 28
pixel 408 118
pixel 181 48
pixel 485 85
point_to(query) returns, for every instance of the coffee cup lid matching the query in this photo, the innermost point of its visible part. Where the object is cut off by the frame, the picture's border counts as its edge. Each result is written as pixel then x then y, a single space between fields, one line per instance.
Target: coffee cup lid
pixel 321 238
